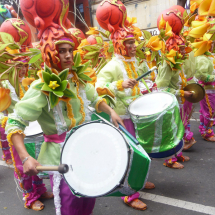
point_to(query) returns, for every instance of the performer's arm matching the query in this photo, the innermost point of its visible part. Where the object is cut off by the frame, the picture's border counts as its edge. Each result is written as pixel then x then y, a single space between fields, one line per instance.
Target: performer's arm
pixel 115 117
pixel 29 166
pixel 202 69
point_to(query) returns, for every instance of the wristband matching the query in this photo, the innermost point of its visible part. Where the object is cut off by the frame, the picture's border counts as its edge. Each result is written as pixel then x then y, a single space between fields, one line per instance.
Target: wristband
pixel 25 160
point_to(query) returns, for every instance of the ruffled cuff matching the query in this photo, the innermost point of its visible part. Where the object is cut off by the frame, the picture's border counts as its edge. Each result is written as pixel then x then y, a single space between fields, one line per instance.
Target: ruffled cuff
pixel 97 104
pixel 13 125
pixel 4 121
pixel 119 85
pixel 11 134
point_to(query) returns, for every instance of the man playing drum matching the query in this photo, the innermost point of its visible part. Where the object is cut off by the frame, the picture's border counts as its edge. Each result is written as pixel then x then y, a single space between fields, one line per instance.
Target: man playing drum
pixel 117 79
pixel 40 104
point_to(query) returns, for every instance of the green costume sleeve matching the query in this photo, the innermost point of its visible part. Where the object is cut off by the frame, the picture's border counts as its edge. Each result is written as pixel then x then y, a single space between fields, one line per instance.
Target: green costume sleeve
pixel 167 79
pixel 204 69
pixel 28 109
pixel 143 68
pixel 190 66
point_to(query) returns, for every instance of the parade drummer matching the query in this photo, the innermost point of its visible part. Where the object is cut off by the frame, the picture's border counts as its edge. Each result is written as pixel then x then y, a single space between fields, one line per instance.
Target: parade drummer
pixel 35 106
pixel 117 79
pixel 171 78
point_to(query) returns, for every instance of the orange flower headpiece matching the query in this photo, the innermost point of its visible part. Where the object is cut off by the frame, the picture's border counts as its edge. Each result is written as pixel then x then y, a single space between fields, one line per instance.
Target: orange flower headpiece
pixel 112 16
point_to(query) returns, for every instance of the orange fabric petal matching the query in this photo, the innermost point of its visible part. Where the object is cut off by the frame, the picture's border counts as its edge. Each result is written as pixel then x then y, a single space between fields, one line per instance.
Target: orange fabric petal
pixel 162 23
pixel 104 91
pixel 168 31
pixel 199 31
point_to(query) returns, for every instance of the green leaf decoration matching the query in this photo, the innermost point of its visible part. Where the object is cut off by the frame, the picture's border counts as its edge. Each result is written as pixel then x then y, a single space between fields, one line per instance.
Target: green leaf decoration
pixel 6 56
pixel 95 60
pixel 63 75
pixel 99 39
pixel 90 55
pixel 107 33
pixel 53 99
pixel 46 77
pixel 77 59
pixel 2 47
pixel 84 77
pixel 38 86
pixel 103 34
pixel 14 46
pixel 47 69
pixel 68 93
pixel 111 48
pixel 33 50
pixel 6 38
pixel 14 79
pixel 146 34
pixel 83 68
pixel 91 48
pixel 153 56
pixel 46 88
pixel 35 58
pixel 140 45
pixel 58 93
pixel 140 54
pixel 54 77
pixel 62 86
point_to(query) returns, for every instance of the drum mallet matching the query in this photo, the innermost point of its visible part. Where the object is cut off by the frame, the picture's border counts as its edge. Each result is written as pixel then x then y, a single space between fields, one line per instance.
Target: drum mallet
pixel 63 168
pixel 145 74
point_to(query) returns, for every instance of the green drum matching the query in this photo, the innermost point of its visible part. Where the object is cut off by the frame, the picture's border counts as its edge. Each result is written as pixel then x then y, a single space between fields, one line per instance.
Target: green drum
pixel 103 161
pixel 33 142
pixel 158 125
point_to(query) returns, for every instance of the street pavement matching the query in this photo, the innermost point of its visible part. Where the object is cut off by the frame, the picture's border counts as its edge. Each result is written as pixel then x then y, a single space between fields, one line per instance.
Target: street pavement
pixel 189 191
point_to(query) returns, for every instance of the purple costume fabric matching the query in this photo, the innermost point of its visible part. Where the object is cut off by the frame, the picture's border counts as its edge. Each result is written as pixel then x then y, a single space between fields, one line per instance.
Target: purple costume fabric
pixel 5 146
pixel 206 124
pixel 129 125
pixel 72 205
pixel 187 108
pixel 32 186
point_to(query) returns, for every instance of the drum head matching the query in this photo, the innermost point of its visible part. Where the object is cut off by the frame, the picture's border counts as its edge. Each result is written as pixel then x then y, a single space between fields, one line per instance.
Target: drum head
pixel 97 155
pixel 33 129
pixel 150 104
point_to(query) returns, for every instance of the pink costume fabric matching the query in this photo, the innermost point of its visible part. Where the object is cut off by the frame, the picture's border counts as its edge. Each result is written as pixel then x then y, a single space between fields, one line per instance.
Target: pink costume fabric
pixel 129 125
pixel 206 112
pixel 32 186
pixel 70 204
pixel 5 146
pixel 187 109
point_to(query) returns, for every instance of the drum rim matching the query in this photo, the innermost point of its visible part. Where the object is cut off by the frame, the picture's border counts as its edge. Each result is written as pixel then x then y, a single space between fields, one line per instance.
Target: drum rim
pixel 35 135
pixel 129 107
pixel 124 175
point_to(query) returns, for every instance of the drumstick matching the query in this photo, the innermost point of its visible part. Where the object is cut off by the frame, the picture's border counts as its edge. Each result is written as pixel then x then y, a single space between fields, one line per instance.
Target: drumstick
pixel 145 74
pixel 63 168
pixel 120 126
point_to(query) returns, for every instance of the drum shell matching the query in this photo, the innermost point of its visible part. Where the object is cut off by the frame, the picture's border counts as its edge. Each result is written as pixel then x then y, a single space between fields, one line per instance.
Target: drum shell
pixel 135 176
pixel 137 172
pixel 160 132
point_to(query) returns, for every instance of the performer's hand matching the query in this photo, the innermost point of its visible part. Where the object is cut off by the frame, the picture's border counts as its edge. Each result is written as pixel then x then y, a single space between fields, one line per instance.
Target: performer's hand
pixel 187 94
pixel 29 167
pixel 116 119
pixel 130 83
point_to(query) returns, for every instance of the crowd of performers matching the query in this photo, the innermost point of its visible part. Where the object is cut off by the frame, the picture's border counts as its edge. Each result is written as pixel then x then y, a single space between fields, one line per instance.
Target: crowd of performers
pixel 56 80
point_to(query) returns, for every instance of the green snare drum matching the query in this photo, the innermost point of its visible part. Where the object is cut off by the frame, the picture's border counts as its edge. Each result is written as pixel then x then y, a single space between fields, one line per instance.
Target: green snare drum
pixel 33 141
pixel 103 161
pixel 158 124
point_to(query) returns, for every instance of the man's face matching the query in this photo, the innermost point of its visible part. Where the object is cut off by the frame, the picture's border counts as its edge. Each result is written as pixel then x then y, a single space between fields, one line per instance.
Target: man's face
pixel 66 55
pixel 130 47
pixel 22 70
